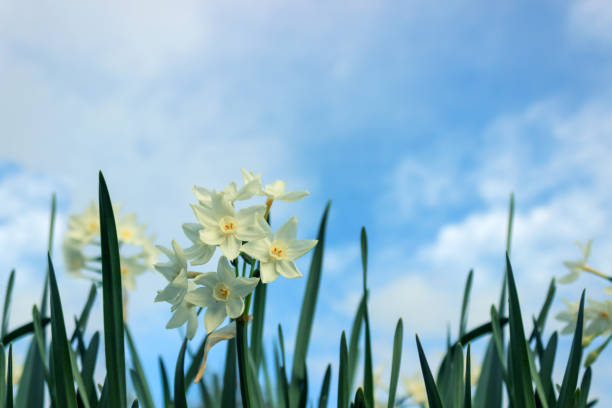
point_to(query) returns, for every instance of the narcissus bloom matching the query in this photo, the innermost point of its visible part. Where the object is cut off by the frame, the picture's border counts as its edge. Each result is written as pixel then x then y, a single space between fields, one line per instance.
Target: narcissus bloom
pixel 131 266
pixel 276 252
pixel 415 387
pixel 226 227
pixel 276 191
pixel 199 253
pixel 569 316
pixel 576 267
pixel 175 264
pixel 222 294
pixel 183 310
pixel 600 317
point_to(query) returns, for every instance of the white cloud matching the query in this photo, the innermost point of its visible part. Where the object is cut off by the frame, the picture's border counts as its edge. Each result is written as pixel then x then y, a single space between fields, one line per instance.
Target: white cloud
pixel 591 20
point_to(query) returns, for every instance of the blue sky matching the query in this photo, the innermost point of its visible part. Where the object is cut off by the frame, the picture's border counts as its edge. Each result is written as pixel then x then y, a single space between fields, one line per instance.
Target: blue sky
pixel 417 119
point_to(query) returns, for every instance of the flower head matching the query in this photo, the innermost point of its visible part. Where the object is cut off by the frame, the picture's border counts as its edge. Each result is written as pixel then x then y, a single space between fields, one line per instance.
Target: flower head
pixel 415 387
pixel 276 191
pixel 277 252
pixel 222 294
pixel 576 267
pixel 226 227
pixel 199 253
pixel 569 316
pixel 600 317
pixel 175 264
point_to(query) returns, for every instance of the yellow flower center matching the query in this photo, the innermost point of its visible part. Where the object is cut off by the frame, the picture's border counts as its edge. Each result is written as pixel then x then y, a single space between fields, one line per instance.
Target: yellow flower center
pixel 228 224
pixel 126 233
pixel 124 270
pixel 92 226
pixel 221 291
pixel 278 250
pixel 604 315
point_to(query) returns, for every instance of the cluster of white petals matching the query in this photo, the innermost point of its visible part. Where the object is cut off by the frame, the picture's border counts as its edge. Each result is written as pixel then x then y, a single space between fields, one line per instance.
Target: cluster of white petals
pixel 242 235
pixel 82 240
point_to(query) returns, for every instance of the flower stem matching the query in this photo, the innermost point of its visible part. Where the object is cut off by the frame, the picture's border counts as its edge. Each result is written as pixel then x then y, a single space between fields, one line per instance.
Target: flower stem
pixel 595 272
pixel 242 350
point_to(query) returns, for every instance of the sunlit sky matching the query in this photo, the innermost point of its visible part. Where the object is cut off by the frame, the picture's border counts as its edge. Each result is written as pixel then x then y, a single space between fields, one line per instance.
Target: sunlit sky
pixel 416 119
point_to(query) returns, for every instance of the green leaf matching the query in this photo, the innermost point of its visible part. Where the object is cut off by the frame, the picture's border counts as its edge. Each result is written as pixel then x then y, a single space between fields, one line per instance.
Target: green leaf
pixel 61 368
pixel 228 395
pixel 144 397
pixel 135 404
pixel 29 385
pixel 480 331
pixel 353 348
pixel 2 373
pixel 307 313
pixel 84 318
pixel 540 391
pixel 465 302
pixel 396 362
pixel 22 331
pixel 343 385
pixel 433 395
pixel 112 301
pixel 257 396
pixel 368 376
pixel 7 305
pixel 541 321
pixel 360 401
pixel 520 373
pixel 79 380
pixel 194 365
pixel 180 400
pixel 324 395
pixel 246 383
pixel 450 378
pixel 88 364
pixel 9 379
pixel 165 384
pixel 570 378
pixel 467 394
pixel 585 387
pixel 547 360
pixel 257 324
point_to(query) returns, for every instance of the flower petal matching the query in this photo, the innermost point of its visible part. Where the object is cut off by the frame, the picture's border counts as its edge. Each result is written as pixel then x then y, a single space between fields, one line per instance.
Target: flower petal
pixel 230 247
pixel 292 195
pixel 243 286
pixel 258 249
pixel 180 316
pixel 192 231
pixel 209 279
pixel 299 247
pixel 204 215
pixel 192 324
pixel 288 231
pixel 288 269
pixel 201 296
pixel 214 316
pixel 225 271
pixel 212 236
pixel 276 188
pixel 268 272
pixel 234 306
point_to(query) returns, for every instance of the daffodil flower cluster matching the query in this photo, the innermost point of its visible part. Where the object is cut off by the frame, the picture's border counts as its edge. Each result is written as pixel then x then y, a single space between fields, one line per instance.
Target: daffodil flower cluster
pixel 597 314
pixel 240 234
pixel 82 240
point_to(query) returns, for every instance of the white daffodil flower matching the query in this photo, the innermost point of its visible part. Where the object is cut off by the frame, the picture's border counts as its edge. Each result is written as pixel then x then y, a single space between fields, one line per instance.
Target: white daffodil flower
pixel 608 290
pixel 569 316
pixel 131 266
pixel 226 227
pixel 415 387
pixel 576 267
pixel 184 311
pixel 174 293
pixel 83 228
pixel 199 253
pixel 175 264
pixel 222 294
pixel 129 231
pixel 149 252
pixel 249 177
pixel 74 258
pixel 276 191
pixel 231 192
pixel 600 317
pixel 276 252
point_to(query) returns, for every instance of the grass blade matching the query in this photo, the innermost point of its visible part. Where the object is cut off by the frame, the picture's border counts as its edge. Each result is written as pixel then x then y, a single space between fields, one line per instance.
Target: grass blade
pixel 481 331
pixel 396 361
pixel 194 365
pixel 465 302
pixel 520 372
pixel 343 385
pixel 9 379
pixel 165 384
pixel 585 387
pixel 228 395
pixel 83 392
pixel 433 395
pixel 353 350
pixel 88 365
pixel 84 318
pixel 180 400
pixel 2 373
pixel 541 321
pixel 360 401
pixel 368 376
pixel 145 398
pixel 61 368
pixel 112 301
pixel 324 395
pixel 307 313
pixel 570 378
pixel 23 330
pixel 467 394
pixel 7 305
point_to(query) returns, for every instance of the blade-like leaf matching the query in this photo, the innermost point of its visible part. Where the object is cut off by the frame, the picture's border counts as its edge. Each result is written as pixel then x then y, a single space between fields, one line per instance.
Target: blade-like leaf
pixel 353 350
pixel 467 395
pixel 2 373
pixel 307 312
pixel 7 305
pixel 585 387
pixel 180 400
pixel 570 378
pixel 61 368
pixel 480 331
pixel 194 365
pixel 396 361
pixel 21 331
pixel 112 301
pixel 228 395
pixel 520 373
pixel 8 403
pixel 324 395
pixel 259 307
pixel 541 321
pixel 145 398
pixel 368 375
pixel 433 395
pixel 165 384
pixel 360 401
pixel 343 391
pixel 464 303
pixel 79 380
pixel 84 318
pixel 88 365
pixel 242 350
